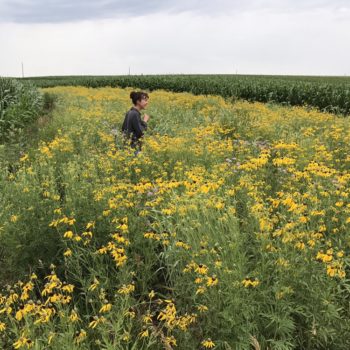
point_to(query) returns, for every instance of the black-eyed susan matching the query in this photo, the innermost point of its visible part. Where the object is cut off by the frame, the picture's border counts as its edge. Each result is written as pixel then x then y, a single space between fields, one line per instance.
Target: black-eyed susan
pixel 208 343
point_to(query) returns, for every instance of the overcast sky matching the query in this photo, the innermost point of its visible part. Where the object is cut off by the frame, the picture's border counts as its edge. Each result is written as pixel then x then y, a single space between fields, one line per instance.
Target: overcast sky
pixel 61 37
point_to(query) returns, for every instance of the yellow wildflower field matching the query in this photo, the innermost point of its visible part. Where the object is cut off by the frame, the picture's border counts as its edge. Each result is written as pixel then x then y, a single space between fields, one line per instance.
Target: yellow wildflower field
pixel 230 230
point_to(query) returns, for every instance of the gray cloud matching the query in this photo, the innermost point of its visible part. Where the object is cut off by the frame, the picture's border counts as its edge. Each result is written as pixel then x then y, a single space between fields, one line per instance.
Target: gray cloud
pixel 53 11
pixel 311 42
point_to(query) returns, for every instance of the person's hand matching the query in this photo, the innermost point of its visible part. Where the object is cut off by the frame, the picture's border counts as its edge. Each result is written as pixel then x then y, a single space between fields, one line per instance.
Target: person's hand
pixel 146 118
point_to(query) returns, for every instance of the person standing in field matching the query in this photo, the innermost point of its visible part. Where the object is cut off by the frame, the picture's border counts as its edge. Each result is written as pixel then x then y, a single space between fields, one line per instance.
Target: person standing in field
pixel 133 126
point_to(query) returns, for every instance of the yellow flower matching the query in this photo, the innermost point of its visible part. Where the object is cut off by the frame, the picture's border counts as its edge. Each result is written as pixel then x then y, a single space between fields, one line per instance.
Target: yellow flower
pixel 19 315
pixel 340 254
pixel 97 320
pixel 90 224
pixel 218 263
pixel 50 338
pixel 2 326
pixel 212 281
pixel 119 256
pixel 341 273
pixel 208 343
pixel 303 219
pixel 105 308
pixel 144 333
pixel 103 250
pixel 167 211
pixel 81 336
pixel 219 205
pixel 183 245
pixel 200 290
pixel 147 318
pixel 126 289
pixel 68 252
pixel 168 314
pixel 331 270
pixel 14 218
pixel 123 227
pixel 120 238
pixel 247 282
pixel 23 342
pixel 126 336
pixel 201 269
pixel 74 317
pixel 71 222
pixel 24 158
pixel 131 313
pixel 68 288
pixel 94 285
pixel 170 341
pixel 324 257
pixel 202 308
pixel 68 234
pixel 57 211
pixel 300 245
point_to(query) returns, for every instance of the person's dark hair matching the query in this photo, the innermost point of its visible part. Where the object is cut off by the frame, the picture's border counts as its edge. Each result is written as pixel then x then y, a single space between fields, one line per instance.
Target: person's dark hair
pixel 138 96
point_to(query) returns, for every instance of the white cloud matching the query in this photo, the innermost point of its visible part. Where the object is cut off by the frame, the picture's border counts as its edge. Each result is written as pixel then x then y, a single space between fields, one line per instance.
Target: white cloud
pixel 53 11
pixel 262 42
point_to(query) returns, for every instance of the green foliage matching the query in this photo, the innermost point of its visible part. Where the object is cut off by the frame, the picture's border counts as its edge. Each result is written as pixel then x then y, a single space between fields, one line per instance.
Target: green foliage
pixel 49 101
pixel 20 105
pixel 329 94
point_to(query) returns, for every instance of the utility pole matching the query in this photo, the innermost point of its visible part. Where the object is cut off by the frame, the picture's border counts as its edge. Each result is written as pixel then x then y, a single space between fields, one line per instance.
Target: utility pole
pixel 22 71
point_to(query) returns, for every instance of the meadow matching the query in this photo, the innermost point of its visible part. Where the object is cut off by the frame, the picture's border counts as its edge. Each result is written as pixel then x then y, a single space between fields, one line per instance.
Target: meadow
pixel 228 231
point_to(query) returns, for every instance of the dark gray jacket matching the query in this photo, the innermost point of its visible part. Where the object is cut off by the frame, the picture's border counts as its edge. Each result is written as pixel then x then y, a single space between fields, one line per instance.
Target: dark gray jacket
pixel 133 126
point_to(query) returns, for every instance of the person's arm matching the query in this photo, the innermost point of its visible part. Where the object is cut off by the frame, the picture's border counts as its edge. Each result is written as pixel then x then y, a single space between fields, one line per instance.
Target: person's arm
pixel 144 121
pixel 144 125
pixel 136 125
pixel 124 123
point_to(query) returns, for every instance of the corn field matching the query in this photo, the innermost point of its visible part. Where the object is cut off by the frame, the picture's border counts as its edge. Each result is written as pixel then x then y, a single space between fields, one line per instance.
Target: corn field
pixel 328 94
pixel 20 105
